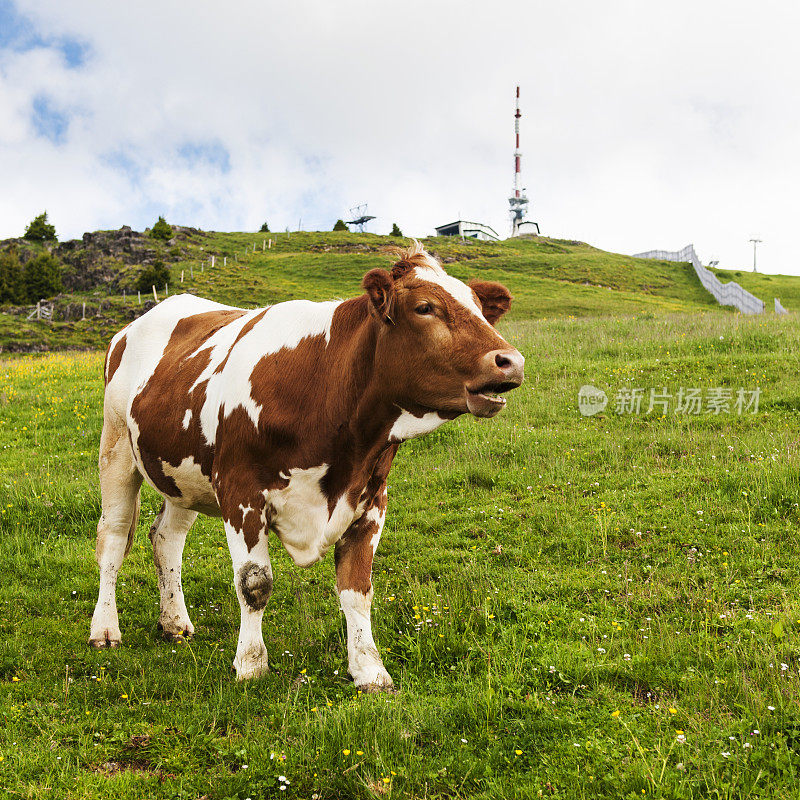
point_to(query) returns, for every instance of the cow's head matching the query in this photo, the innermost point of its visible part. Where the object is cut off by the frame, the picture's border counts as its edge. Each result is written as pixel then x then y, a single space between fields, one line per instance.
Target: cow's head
pixel 437 348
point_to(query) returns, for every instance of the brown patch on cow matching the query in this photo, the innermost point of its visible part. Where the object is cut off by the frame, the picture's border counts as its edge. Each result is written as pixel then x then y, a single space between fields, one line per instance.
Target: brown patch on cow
pixel 247 464
pixel 493 298
pixel 114 357
pixel 354 552
pixel 255 583
pixel 353 556
pixel 161 405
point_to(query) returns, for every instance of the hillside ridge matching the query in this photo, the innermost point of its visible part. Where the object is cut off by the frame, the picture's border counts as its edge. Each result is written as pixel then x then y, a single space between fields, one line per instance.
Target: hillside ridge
pixel 548 277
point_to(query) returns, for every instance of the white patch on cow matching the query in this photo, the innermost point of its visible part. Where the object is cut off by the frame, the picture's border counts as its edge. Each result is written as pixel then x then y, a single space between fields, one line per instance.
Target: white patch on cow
pixel 456 288
pixel 196 490
pixel 364 662
pixel 407 426
pixel 378 517
pixel 187 418
pixel 220 344
pixel 300 515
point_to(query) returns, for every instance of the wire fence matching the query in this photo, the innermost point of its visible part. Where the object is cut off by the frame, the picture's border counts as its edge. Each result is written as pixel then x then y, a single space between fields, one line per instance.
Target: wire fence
pixel 726 294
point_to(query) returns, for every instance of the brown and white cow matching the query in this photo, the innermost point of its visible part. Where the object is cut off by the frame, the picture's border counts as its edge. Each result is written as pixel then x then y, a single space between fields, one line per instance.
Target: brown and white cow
pixel 287 418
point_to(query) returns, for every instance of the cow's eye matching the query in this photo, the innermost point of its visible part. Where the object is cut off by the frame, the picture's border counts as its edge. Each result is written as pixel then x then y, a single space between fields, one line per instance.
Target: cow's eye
pixel 424 308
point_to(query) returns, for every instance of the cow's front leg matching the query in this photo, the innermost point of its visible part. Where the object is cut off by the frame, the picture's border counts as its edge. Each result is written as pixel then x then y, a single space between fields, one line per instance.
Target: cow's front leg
pixel 354 554
pixel 252 577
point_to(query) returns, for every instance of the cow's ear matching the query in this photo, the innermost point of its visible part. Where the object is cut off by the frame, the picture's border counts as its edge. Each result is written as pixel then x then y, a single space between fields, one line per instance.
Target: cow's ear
pixel 379 286
pixel 495 299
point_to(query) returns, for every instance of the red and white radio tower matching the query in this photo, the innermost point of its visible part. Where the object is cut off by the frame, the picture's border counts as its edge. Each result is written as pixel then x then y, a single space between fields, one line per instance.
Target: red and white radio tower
pixel 518 202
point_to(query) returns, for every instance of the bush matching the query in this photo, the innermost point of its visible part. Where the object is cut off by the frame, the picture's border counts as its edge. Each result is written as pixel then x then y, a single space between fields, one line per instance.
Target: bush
pixel 264 228
pixel 42 277
pixel 156 274
pixel 340 226
pixel 40 230
pixel 161 230
pixel 395 230
pixel 12 283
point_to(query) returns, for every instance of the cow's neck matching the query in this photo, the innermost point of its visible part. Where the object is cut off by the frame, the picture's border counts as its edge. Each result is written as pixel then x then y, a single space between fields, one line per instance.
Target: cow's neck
pixel 356 399
pixel 358 412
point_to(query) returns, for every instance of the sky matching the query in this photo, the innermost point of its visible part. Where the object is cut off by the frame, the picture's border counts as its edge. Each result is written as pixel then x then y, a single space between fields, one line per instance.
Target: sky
pixel 644 126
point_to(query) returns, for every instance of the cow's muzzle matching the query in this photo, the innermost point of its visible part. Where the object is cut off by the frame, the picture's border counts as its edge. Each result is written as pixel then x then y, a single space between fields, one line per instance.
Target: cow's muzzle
pixel 501 371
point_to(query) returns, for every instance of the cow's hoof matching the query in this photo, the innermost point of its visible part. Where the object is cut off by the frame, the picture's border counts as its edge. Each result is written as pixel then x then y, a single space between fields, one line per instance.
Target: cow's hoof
pixel 254 664
pixel 176 633
pixel 375 679
pixel 179 638
pixel 246 673
pixel 378 688
pixel 176 636
pixel 106 641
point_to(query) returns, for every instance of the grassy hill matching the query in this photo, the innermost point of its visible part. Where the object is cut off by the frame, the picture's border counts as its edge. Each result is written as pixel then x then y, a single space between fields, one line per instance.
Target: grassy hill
pixel 548 278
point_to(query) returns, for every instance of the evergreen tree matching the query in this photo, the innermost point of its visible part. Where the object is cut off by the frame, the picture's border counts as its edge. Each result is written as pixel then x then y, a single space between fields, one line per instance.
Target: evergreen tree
pixel 156 274
pixel 161 230
pixel 42 277
pixel 40 230
pixel 340 226
pixel 395 230
pixel 12 284
pixel 264 228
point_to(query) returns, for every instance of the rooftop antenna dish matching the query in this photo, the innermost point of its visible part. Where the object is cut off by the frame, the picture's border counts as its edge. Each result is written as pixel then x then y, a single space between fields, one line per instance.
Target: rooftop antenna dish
pixel 360 217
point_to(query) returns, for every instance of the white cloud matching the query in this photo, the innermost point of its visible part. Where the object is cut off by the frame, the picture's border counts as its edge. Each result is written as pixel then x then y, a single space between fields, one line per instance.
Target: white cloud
pixel 642 126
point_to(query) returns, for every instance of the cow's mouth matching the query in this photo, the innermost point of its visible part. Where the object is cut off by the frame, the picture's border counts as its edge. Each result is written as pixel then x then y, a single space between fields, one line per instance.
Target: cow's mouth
pixel 486 401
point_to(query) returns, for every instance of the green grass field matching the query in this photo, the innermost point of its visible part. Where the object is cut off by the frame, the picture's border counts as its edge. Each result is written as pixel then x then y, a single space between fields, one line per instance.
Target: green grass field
pixel 573 607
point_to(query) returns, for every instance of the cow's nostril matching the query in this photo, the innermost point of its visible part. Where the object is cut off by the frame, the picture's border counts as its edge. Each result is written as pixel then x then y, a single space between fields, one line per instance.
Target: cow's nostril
pixel 502 361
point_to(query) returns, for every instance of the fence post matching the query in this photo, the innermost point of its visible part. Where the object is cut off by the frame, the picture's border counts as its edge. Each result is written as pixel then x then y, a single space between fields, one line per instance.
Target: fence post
pixel 225 261
pixel 191 271
pixel 139 295
pixel 155 296
pixel 166 290
pixel 83 313
pixel 212 261
pixel 182 276
pixel 269 246
pixel 38 309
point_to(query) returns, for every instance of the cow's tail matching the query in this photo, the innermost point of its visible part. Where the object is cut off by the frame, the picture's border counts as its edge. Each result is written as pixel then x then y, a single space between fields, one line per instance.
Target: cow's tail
pixel 134 522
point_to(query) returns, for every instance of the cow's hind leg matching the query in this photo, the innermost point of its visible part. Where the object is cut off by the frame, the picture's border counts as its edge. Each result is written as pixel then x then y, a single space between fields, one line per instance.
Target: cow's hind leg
pixel 252 577
pixel 119 489
pixel 168 535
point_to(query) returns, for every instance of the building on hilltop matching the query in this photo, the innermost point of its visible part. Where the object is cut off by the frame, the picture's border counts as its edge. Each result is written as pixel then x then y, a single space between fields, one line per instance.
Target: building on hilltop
pixel 469 230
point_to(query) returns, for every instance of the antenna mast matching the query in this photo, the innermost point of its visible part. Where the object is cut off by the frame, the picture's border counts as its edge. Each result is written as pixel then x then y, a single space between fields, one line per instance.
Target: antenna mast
pixel 518 202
